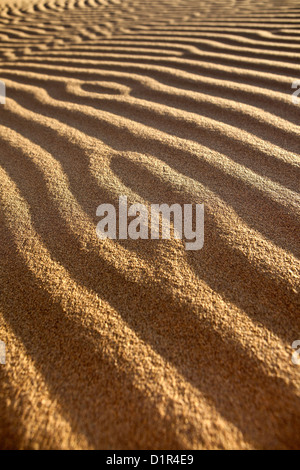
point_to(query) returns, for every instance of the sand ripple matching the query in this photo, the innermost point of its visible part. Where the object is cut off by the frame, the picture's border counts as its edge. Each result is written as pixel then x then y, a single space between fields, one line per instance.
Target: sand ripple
pixel 140 344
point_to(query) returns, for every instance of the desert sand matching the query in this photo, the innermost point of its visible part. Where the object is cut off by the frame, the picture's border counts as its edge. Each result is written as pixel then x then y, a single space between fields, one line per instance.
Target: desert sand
pixel 123 344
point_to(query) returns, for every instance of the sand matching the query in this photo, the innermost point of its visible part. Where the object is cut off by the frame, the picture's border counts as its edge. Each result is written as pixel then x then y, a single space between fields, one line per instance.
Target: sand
pixel 123 344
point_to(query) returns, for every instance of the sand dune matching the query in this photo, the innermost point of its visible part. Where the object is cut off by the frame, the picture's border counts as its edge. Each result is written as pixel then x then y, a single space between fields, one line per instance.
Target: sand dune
pixel 123 344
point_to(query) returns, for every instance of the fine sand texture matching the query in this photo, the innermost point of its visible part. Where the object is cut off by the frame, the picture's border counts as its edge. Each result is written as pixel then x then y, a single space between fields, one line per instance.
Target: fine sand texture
pixel 140 344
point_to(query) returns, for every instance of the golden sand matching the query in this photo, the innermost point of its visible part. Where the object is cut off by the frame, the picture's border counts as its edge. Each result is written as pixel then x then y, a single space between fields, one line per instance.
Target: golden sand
pixel 141 344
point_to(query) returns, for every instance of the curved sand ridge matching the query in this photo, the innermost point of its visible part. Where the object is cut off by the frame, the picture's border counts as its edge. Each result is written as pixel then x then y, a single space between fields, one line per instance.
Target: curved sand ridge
pixel 141 344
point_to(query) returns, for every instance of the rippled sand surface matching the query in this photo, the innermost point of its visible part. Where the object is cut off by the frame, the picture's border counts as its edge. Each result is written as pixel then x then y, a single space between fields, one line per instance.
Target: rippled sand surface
pixel 141 344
